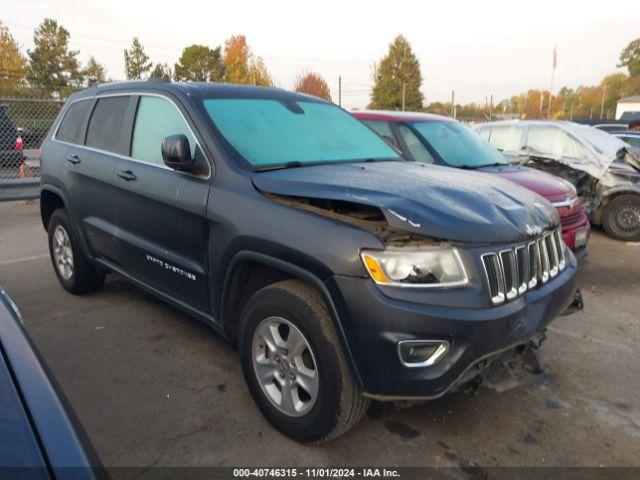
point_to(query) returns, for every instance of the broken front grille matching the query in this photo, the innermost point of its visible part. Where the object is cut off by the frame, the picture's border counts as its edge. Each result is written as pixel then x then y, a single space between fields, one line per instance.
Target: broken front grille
pixel 513 271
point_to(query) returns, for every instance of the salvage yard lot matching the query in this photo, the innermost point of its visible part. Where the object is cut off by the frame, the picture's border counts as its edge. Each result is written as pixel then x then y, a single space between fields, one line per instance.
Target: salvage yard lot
pixel 153 386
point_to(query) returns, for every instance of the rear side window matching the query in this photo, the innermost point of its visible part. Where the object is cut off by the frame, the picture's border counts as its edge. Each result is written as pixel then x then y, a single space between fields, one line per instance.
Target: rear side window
pixel 109 125
pixel 553 142
pixel 156 119
pixel 72 126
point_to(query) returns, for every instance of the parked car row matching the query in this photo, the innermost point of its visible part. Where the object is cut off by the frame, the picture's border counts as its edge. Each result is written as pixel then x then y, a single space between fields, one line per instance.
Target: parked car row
pixel 443 141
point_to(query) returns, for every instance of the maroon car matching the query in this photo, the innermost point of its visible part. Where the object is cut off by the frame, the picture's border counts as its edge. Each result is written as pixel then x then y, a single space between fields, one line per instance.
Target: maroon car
pixel 435 139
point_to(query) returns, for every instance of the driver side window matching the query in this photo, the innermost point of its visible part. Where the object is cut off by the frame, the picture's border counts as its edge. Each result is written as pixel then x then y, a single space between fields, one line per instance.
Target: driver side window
pixel 156 119
pixel 417 150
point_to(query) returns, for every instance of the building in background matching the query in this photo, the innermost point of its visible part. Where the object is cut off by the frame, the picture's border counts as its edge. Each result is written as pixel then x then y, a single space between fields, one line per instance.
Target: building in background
pixel 628 104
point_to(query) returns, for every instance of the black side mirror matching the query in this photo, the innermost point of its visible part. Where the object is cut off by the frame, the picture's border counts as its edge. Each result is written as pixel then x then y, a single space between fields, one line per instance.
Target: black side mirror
pixel 176 153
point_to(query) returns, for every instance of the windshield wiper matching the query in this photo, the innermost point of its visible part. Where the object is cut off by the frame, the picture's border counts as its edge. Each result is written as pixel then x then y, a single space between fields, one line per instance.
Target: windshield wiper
pixel 475 167
pixel 281 166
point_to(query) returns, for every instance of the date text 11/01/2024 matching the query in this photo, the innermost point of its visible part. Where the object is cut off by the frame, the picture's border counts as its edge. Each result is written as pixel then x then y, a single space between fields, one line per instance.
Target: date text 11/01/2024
pixel 316 472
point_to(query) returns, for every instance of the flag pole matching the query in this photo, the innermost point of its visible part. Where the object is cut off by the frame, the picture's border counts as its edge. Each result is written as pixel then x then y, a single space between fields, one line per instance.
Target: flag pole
pixel 553 74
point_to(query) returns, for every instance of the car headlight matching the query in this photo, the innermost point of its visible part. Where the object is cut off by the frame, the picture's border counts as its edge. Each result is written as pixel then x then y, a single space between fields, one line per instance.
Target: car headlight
pixel 434 267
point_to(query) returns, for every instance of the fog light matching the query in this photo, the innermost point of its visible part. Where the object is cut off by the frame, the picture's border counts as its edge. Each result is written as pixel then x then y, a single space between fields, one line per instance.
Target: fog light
pixel 421 353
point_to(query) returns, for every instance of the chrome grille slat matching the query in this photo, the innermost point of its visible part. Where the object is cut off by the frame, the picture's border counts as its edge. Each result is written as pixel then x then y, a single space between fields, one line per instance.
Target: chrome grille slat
pixel 510 272
pixel 522 260
pixel 495 278
pixel 513 271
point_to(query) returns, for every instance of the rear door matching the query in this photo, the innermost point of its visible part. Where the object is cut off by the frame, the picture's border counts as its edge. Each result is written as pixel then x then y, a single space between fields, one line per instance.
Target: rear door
pixel 88 141
pixel 91 171
pixel 160 212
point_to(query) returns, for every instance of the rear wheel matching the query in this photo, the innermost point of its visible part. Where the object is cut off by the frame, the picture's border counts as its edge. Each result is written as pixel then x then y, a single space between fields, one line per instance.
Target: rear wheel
pixel 73 269
pixel 621 218
pixel 294 365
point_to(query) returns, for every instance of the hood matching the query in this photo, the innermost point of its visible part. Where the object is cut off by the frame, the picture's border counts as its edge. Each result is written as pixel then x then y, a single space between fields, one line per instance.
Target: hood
pixel 544 184
pixel 428 200
pixel 605 148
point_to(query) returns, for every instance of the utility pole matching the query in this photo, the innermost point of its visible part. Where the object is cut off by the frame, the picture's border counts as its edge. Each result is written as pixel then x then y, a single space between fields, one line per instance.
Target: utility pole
pixel 604 90
pixel 404 95
pixel 571 113
pixel 453 103
pixel 491 108
pixel 591 114
pixel 339 91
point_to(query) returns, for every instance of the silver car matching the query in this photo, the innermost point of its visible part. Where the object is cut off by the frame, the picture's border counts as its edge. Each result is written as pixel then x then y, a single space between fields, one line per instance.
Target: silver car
pixel 603 168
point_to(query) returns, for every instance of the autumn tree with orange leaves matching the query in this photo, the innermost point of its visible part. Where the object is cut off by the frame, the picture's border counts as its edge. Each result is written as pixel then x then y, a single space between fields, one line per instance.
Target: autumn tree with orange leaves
pixel 242 66
pixel 313 84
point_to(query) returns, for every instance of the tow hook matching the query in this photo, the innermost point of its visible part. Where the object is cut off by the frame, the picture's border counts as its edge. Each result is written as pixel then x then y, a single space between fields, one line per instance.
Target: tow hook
pixel 576 304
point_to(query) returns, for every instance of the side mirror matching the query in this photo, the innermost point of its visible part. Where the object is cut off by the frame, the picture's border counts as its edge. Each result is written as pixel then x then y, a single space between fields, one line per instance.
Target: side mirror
pixel 176 153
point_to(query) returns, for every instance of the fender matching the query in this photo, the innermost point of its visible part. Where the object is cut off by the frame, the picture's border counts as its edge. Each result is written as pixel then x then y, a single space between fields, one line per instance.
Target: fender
pixel 302 274
pixel 607 194
pixel 74 225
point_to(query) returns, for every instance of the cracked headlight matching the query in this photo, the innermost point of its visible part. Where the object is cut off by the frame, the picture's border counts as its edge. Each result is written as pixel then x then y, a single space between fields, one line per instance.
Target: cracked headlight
pixel 434 267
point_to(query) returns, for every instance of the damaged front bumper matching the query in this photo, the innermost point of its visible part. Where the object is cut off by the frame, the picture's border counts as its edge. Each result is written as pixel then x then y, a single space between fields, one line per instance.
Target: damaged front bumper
pixel 475 338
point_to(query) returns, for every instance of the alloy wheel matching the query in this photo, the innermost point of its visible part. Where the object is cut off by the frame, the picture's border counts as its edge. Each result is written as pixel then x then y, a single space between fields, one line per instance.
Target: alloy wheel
pixel 285 366
pixel 62 253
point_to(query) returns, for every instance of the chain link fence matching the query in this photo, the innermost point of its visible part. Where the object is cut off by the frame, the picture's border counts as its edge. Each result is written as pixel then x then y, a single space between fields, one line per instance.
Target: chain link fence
pixel 24 124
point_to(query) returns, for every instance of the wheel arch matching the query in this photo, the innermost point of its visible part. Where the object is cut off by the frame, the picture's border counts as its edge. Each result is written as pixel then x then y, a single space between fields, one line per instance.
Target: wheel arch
pixel 608 196
pixel 51 199
pixel 235 294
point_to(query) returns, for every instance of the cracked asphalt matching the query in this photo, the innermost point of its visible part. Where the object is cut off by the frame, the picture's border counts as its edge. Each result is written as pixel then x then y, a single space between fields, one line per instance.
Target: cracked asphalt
pixel 153 387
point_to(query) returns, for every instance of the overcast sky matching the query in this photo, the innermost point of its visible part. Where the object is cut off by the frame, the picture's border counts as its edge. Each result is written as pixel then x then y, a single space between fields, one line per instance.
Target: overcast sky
pixel 477 48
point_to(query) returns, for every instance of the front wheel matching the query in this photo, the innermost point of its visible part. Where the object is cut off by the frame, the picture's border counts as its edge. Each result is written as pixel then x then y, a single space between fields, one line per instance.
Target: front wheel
pixel 294 365
pixel 621 218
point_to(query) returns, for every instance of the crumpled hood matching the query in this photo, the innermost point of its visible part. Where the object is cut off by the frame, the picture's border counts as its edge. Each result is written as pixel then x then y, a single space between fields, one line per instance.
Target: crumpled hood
pixel 429 200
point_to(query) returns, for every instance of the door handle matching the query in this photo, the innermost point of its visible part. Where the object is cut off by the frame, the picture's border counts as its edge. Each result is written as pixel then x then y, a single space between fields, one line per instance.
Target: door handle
pixel 73 158
pixel 128 175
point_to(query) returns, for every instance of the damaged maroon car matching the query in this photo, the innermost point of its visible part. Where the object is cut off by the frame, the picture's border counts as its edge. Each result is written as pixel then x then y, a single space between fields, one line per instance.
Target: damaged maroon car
pixel 441 140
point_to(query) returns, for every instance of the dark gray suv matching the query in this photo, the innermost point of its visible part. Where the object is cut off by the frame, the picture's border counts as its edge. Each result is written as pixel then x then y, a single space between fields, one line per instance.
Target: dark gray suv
pixel 340 270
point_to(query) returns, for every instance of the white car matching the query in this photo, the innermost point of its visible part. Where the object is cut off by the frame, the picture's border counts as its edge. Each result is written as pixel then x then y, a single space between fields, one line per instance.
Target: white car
pixel 604 169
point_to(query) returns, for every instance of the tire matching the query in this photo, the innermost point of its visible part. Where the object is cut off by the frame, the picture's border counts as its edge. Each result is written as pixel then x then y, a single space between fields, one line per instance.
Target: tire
pixel 338 403
pixel 65 251
pixel 621 218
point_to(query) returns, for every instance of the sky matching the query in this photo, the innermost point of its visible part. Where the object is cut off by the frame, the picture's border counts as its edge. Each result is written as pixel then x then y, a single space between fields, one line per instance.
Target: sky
pixel 478 48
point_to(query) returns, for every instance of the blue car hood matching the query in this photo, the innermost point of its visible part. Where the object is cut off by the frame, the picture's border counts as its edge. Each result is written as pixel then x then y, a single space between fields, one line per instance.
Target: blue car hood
pixel 438 202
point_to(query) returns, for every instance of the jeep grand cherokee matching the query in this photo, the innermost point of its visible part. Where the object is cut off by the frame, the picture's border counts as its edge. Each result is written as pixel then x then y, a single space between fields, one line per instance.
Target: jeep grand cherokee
pixel 340 270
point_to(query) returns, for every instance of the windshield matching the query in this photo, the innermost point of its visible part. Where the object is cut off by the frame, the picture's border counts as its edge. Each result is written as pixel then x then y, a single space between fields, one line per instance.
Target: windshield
pixel 270 133
pixel 457 146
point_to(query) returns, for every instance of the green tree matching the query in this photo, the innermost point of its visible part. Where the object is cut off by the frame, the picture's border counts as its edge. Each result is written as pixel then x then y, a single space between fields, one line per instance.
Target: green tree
pixel 53 68
pixel 94 72
pixel 161 70
pixel 136 61
pixel 199 63
pixel 13 65
pixel 630 57
pixel 399 70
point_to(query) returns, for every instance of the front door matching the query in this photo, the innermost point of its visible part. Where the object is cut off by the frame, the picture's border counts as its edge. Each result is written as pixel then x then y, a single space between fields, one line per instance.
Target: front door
pixel 161 212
